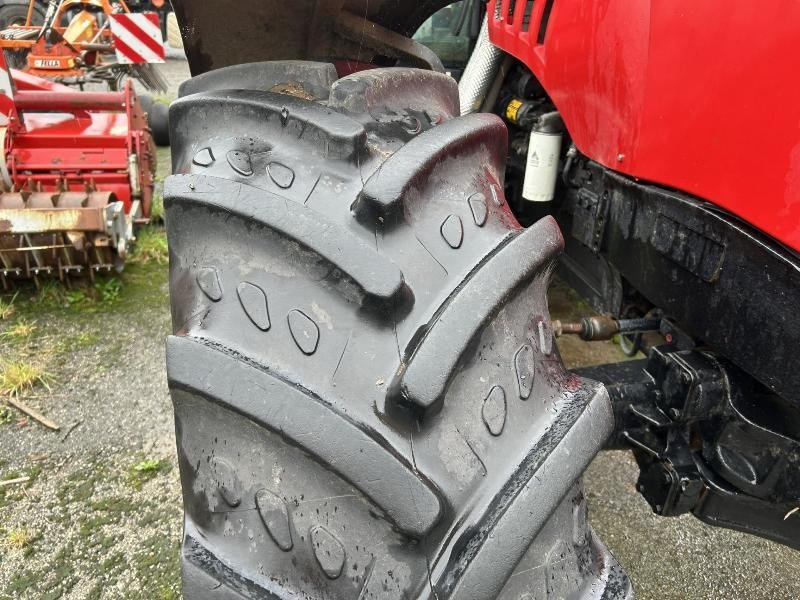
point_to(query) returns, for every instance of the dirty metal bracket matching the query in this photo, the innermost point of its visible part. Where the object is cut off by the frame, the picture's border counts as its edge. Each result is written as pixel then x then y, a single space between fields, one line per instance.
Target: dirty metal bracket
pixel 385 42
pixel 306 30
pixel 708 440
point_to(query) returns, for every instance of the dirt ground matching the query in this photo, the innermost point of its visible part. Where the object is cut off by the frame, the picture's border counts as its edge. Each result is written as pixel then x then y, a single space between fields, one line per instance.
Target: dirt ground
pixel 100 513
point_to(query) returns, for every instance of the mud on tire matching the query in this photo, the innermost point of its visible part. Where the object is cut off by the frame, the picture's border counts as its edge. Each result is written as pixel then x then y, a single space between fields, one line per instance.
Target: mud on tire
pixel 368 399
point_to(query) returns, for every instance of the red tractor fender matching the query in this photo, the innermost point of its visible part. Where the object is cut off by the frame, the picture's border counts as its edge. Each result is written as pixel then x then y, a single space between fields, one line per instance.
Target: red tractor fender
pixel 698 96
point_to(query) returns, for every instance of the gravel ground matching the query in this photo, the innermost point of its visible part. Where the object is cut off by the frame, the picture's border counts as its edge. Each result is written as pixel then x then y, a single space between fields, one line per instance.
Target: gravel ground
pixel 100 516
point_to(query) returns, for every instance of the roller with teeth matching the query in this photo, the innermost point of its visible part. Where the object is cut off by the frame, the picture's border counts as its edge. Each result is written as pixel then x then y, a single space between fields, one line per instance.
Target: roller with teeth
pixel 62 235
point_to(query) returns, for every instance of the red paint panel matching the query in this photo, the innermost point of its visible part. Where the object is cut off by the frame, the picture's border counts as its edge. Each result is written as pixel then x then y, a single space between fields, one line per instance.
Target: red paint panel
pixel 702 97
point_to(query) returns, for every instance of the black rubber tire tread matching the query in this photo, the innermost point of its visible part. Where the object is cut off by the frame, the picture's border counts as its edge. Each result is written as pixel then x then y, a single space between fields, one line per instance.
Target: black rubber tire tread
pixel 396 90
pixel 376 276
pixel 157 118
pixel 311 125
pixel 409 167
pixel 308 80
pixel 369 403
pixel 16 12
pixel 337 437
pixel 423 377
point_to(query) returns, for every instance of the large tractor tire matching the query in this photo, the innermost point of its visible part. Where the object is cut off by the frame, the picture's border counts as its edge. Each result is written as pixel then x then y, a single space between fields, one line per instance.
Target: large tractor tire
pixel 368 399
pixel 157 118
pixel 15 12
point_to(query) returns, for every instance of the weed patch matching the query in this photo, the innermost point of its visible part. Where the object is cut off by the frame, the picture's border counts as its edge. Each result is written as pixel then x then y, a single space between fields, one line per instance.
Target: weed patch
pixel 18 539
pixel 108 291
pixel 20 331
pixel 7 308
pixel 76 297
pixel 51 295
pixel 151 246
pixel 6 415
pixel 145 470
pixel 17 377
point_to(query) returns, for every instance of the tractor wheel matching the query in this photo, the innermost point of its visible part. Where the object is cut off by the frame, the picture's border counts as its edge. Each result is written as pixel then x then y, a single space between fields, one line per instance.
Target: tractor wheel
pixel 157 118
pixel 15 12
pixel 368 399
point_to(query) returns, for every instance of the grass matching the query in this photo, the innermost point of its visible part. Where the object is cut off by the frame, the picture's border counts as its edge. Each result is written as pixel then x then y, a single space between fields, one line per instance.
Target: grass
pixel 52 295
pixel 96 506
pixel 19 331
pixel 162 172
pixel 94 513
pixel 147 469
pixel 157 209
pixel 7 308
pixel 18 539
pixel 151 246
pixel 66 345
pixel 6 415
pixel 165 99
pixel 156 562
pixel 108 511
pixel 17 377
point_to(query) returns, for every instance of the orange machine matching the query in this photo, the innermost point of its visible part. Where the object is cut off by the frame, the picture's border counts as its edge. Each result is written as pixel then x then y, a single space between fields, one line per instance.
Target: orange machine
pixel 75 45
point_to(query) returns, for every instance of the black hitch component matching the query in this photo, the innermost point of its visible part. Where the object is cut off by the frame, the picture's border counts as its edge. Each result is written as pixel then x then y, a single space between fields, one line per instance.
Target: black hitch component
pixel 709 440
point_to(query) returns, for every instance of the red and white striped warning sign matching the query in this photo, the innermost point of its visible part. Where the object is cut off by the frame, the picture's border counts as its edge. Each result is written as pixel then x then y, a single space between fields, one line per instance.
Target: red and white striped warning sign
pixel 137 38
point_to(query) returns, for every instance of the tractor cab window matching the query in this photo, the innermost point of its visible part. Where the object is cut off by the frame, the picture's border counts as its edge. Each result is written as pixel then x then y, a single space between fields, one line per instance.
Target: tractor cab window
pixel 451 33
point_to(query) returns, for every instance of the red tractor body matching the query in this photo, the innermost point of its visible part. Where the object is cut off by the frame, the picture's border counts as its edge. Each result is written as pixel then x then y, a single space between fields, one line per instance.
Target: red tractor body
pixel 697 98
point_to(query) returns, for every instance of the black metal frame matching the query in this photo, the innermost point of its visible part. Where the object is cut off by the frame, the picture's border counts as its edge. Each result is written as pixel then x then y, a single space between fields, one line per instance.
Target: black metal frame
pixel 713 416
pixel 708 440
pixel 729 287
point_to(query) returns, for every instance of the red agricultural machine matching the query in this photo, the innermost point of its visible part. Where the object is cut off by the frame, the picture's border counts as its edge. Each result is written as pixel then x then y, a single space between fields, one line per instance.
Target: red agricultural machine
pixel 76 178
